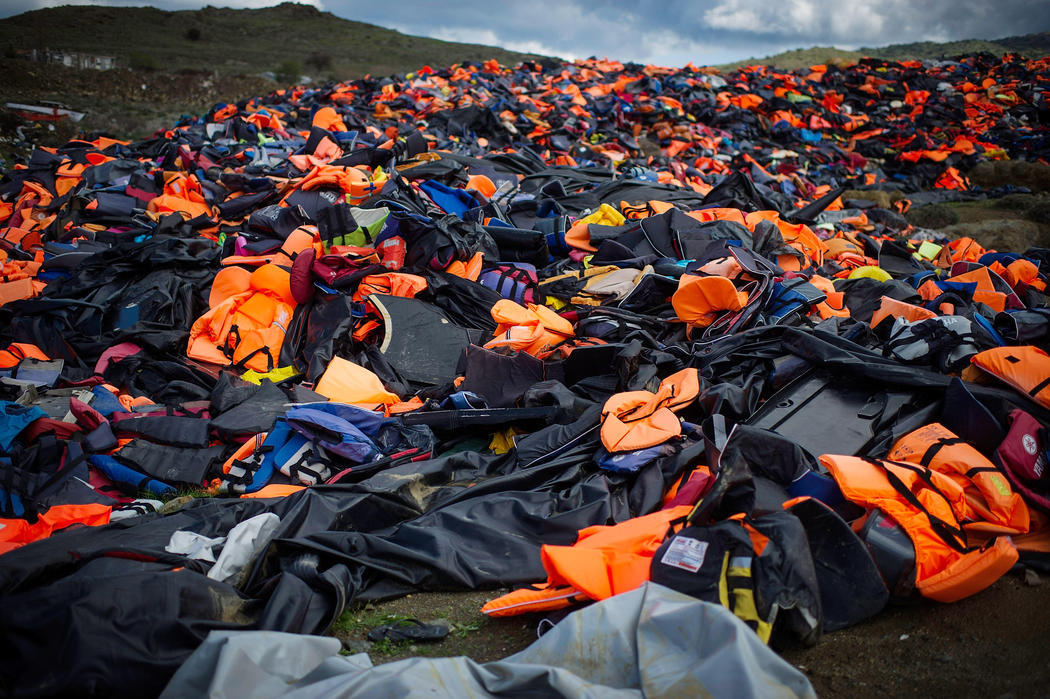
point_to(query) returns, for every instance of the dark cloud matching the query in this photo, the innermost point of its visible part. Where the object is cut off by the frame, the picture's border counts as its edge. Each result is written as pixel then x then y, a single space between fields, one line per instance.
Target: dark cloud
pixel 673 32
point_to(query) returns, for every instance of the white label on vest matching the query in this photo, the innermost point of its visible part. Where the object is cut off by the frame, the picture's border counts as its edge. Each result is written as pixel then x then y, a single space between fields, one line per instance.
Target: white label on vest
pixel 1030 444
pixel 685 553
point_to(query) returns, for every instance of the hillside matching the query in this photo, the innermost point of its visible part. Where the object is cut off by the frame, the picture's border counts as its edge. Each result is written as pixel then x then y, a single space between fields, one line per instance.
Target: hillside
pixel 236 41
pixel 174 63
pixel 1030 45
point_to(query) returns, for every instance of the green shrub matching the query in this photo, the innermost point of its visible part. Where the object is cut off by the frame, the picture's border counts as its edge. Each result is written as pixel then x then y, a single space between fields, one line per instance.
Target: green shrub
pixel 289 71
pixel 142 61
pixel 319 61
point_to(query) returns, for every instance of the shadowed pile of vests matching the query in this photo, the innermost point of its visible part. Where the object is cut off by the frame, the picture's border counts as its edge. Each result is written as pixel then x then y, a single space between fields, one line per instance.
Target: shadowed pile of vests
pixel 564 328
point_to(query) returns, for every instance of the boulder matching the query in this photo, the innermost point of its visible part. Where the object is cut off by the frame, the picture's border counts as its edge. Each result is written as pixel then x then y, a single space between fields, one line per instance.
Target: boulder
pixel 1001 234
pixel 996 173
pixel 932 216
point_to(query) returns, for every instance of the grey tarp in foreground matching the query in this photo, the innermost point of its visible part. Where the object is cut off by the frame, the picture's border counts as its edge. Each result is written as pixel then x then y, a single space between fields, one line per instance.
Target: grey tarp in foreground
pixel 651 642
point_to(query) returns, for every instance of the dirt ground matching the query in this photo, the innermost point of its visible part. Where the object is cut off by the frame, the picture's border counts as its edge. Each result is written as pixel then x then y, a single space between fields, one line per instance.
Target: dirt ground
pixel 994 644
pixel 471 633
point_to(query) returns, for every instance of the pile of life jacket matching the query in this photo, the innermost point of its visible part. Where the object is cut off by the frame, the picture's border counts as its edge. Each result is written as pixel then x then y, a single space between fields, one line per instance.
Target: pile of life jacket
pixel 319 285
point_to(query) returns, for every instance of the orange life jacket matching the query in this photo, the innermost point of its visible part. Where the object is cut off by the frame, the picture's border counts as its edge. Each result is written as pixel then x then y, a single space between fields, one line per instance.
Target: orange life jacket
pixel 328 119
pixel 19 532
pixel 892 308
pixel 834 305
pixel 640 419
pixel 533 330
pixel 920 501
pixel 604 561
pixel 346 382
pixel 298 240
pixel 986 292
pixel 17 351
pixel 391 284
pixel 988 503
pixel 1026 368
pixel 700 301
pixel 247 327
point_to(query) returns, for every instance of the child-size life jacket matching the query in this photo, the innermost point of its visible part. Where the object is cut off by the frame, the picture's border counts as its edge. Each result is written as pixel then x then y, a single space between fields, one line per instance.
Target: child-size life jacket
pixel 247 327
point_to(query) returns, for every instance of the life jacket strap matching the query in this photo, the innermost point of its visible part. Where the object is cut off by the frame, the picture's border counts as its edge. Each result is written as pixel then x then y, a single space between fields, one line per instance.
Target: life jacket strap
pixel 954 536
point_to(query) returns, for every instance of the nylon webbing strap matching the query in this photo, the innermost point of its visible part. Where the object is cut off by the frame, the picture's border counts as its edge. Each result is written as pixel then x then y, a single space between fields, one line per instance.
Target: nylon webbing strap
pixel 981 469
pixel 1039 387
pixel 933 449
pixel 954 536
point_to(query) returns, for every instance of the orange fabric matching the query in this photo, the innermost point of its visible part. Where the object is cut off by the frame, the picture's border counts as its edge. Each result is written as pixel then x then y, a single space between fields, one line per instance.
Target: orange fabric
pixel 534 330
pixel 835 303
pixel 17 351
pixel 837 246
pixel 471 269
pixel 633 420
pixel 482 185
pixel 989 503
pixel 356 183
pixel 526 600
pixel 579 237
pixel 346 382
pixel 641 419
pixel 228 282
pixel 244 451
pixel 328 119
pixel 700 301
pixel 413 403
pixel 392 284
pixel 719 214
pixel 248 327
pixel 942 572
pixel 986 290
pixel 181 195
pixel 604 561
pixel 1025 368
pixel 275 281
pixel 25 239
pixel 17 290
pixel 1020 273
pixel 965 250
pixel 726 267
pixel 275 490
pixel 892 308
pixel 929 290
pixel 18 532
pixel 796 235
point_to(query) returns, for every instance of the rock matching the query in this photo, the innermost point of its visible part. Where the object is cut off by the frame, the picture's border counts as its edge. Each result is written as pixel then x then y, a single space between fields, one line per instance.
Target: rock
pixel 649 147
pixel 356 645
pixel 932 216
pixel 175 504
pixel 996 173
pixel 1016 202
pixel 887 218
pixel 881 199
pixel 1040 213
pixel 1001 234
